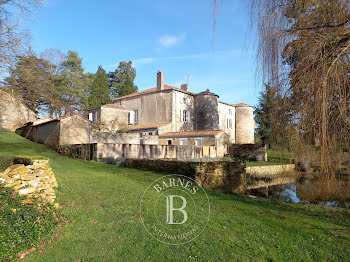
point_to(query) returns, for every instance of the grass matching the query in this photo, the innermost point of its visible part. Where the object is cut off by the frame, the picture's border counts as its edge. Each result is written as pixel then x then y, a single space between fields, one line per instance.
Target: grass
pixel 274 158
pixel 101 206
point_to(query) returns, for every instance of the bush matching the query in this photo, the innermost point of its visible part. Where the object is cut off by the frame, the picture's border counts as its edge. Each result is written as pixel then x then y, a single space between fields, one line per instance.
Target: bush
pixel 5 162
pixel 22 226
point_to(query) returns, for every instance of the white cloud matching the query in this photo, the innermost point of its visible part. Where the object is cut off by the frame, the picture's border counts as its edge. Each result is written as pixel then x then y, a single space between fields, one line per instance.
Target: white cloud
pixel 171 40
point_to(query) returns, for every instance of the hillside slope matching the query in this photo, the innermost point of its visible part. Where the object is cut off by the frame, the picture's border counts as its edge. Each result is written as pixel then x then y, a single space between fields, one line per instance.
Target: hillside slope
pixel 101 206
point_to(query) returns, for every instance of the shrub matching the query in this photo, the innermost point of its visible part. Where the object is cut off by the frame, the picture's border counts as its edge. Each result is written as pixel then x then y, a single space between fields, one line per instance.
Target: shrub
pixel 22 226
pixel 5 162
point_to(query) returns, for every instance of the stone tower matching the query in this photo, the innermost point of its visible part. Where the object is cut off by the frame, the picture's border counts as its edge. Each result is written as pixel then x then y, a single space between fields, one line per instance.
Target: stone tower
pixel 206 111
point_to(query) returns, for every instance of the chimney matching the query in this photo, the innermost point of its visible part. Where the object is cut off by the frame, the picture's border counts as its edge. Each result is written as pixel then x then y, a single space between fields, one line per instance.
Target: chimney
pixel 160 81
pixel 184 87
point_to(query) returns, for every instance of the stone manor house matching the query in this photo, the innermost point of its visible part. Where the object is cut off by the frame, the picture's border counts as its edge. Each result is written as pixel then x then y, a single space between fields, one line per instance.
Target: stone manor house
pixel 178 116
pixel 160 122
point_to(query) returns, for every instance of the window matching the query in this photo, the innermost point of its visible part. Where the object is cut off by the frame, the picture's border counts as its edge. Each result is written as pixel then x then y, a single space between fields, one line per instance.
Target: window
pixel 229 123
pixel 136 116
pixel 169 142
pixel 198 142
pixel 185 116
pixel 131 117
pixel 182 142
pixel 230 112
pixel 150 133
pixel 96 116
pixel 141 141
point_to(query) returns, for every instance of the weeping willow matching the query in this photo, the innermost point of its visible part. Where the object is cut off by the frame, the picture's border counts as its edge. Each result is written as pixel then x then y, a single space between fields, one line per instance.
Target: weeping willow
pixel 303 49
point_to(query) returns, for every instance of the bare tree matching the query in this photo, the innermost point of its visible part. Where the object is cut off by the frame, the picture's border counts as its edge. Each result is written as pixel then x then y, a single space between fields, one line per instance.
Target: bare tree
pixel 13 37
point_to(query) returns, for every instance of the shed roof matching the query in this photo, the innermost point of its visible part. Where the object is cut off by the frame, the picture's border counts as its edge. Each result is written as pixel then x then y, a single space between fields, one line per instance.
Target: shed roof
pixel 61 118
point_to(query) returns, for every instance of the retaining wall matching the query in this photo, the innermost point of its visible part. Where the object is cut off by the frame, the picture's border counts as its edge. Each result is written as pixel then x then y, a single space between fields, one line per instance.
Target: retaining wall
pixel 270 170
pixel 215 175
pixel 117 152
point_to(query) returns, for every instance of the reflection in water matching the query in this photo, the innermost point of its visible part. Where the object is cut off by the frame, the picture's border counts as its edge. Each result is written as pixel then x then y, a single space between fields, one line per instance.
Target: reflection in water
pixel 326 192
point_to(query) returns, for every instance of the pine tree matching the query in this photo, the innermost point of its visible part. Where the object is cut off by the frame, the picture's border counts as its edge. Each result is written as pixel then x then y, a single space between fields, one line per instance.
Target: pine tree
pixel 73 88
pixel 123 82
pixel 263 115
pixel 99 91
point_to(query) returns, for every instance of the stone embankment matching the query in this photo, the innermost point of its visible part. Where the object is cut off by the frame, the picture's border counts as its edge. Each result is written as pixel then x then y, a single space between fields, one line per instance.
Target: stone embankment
pixel 33 181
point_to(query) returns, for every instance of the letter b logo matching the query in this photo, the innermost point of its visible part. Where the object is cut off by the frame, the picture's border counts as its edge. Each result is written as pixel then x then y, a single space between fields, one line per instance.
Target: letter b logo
pixel 170 209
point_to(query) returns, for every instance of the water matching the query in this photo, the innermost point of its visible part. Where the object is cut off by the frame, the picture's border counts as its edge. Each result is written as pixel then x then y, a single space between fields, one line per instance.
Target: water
pixel 305 190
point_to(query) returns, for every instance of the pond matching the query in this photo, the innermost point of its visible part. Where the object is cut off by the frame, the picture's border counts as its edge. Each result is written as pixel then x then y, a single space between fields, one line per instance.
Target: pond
pixel 302 189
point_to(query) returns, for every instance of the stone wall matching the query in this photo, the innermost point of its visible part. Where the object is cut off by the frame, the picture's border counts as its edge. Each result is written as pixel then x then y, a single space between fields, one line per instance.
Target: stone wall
pixel 33 181
pixel 116 138
pixel 250 152
pixel 215 175
pixel 13 113
pixel 80 151
pixel 270 170
pixel 117 152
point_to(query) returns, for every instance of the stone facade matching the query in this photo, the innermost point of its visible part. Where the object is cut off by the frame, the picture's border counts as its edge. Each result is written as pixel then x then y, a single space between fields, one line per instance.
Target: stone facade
pixel 33 181
pixel 13 113
pixel 67 130
pixel 188 111
pixel 109 117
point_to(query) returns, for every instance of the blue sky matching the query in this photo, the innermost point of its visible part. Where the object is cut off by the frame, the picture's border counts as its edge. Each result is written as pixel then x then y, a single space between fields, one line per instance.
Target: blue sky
pixel 175 37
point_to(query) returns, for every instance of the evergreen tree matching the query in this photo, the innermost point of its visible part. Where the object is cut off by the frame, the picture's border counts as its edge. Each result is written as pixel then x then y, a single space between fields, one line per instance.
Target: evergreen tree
pixel 73 88
pixel 264 116
pixel 99 91
pixel 123 82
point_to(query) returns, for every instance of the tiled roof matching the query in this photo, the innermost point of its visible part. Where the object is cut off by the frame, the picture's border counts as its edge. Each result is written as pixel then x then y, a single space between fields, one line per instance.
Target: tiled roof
pixel 41 121
pixel 152 90
pixel 61 118
pixel 74 114
pixel 146 126
pixel 241 105
pixel 192 133
pixel 207 92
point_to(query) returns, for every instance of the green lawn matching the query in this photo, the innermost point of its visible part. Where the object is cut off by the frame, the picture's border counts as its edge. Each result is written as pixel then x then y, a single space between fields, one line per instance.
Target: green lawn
pixel 274 158
pixel 101 206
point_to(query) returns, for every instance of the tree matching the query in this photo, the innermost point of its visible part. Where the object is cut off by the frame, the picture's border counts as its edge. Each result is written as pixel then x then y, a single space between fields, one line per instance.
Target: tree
pixel 123 82
pixel 99 91
pixel 304 50
pixel 30 79
pixel 263 114
pixel 55 57
pixel 73 91
pixel 13 37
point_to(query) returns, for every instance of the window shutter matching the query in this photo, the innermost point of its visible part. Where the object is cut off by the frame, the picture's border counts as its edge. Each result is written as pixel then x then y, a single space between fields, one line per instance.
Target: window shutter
pixel 132 117
pixel 181 116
